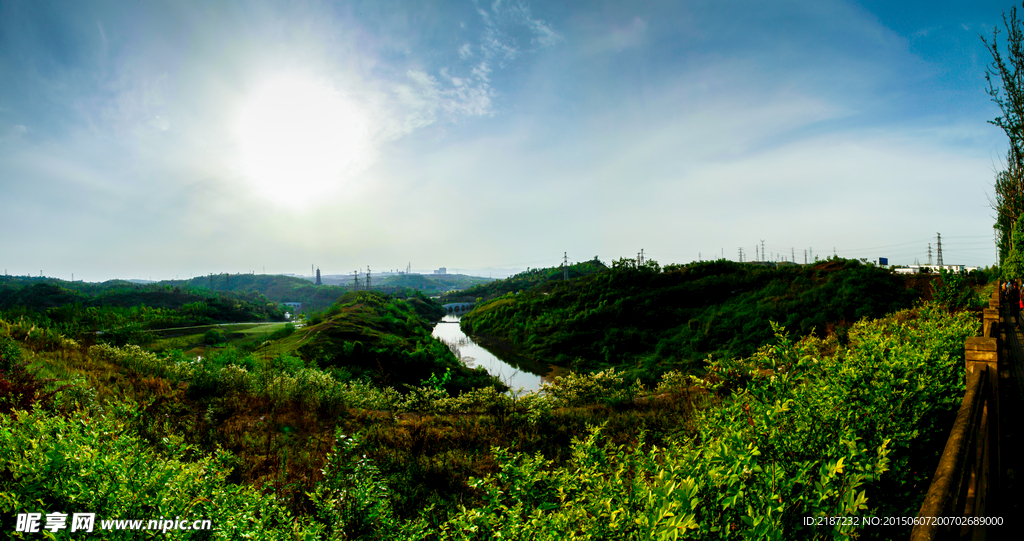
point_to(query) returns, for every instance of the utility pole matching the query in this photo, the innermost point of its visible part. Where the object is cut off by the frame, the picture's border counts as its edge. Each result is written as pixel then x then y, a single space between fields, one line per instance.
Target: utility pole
pixel 792 254
pixel 939 250
pixel 805 257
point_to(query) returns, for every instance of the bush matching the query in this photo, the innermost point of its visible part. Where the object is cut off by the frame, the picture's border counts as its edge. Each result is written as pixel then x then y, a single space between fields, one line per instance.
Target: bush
pixel 213 337
pixel 99 465
pixel 353 500
pixel 604 387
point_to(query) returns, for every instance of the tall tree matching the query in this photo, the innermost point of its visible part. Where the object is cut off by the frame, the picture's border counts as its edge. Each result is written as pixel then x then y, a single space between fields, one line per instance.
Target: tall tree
pixel 1008 94
pixel 1013 263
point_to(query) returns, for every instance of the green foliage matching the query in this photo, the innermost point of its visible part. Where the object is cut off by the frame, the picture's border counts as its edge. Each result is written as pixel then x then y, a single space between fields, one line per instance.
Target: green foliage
pixel 803 429
pixel 1008 93
pixel 955 291
pixel 213 337
pixel 10 353
pixel 1013 264
pixel 120 313
pixel 283 332
pixel 810 427
pixel 353 500
pixel 645 321
pixel 379 338
pixel 524 281
pixel 605 387
pixel 97 464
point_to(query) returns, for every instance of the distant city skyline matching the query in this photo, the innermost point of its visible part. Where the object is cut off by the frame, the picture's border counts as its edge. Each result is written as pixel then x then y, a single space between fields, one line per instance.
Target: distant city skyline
pixel 168 139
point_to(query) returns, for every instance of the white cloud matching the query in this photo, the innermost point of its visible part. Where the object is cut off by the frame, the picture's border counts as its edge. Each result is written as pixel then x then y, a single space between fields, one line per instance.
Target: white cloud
pixel 628 36
pixel 13 133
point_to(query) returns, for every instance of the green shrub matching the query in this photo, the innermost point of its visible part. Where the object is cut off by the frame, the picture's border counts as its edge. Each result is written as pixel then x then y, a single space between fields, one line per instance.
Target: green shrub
pixel 213 337
pixel 353 500
pixel 53 463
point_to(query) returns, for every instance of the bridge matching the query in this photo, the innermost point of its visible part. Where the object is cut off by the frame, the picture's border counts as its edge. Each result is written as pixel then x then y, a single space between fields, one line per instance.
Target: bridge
pixel 458 306
pixel 978 478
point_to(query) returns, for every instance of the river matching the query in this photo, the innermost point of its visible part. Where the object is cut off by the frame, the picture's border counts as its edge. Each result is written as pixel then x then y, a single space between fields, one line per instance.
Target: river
pixel 516 372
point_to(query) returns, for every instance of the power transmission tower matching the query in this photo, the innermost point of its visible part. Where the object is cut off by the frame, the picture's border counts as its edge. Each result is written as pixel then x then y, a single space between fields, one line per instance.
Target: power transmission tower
pixel 367 277
pixel 756 257
pixel 565 265
pixel 939 250
pixel 355 280
pixel 741 254
pixel 318 277
pixel 762 250
pixel 408 268
pixel 792 254
pixel 929 253
pixel 805 257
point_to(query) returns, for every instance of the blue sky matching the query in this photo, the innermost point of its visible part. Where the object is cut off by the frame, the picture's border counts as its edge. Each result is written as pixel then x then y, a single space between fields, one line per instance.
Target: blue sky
pixel 163 140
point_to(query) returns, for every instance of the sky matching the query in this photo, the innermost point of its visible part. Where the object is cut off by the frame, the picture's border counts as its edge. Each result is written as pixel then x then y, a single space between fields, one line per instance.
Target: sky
pixel 162 140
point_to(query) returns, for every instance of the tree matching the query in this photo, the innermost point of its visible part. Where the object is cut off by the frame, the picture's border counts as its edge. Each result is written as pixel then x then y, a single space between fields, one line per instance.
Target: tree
pixel 1009 96
pixel 1013 265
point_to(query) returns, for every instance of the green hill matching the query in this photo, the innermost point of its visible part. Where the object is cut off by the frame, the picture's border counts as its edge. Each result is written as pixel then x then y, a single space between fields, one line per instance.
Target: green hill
pixel 524 281
pixel 650 320
pixel 369 335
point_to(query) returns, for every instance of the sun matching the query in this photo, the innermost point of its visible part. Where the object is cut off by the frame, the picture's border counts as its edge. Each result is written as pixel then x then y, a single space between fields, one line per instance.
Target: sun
pixel 299 140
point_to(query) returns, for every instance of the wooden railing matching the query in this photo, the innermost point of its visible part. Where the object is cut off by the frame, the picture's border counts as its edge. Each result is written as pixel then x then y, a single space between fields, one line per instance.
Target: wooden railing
pixel 968 470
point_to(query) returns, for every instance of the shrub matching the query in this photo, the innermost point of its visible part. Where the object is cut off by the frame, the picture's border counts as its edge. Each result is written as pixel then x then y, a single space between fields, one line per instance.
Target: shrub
pixel 99 465
pixel 604 387
pixel 353 500
pixel 213 337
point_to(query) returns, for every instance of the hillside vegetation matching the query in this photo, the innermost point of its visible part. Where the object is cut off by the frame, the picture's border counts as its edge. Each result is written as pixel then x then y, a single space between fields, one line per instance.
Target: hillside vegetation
pixel 524 281
pixel 648 320
pixel 119 312
pixel 360 426
pixel 282 449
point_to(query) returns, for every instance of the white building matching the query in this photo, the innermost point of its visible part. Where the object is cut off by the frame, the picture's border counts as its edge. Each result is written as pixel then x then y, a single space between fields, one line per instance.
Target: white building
pixel 916 269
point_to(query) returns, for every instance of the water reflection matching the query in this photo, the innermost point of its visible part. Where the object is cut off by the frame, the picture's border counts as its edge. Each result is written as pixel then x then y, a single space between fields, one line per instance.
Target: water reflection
pixel 517 372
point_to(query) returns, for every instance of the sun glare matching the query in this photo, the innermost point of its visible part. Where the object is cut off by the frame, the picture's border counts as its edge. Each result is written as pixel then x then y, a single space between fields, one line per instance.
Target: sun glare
pixel 299 140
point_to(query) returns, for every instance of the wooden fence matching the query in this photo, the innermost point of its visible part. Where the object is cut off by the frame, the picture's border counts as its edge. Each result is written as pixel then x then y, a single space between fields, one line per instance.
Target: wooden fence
pixel 968 470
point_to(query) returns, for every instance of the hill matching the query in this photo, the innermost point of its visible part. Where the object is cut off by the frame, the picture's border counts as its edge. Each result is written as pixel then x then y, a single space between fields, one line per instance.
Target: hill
pixel 650 320
pixel 73 308
pixel 524 281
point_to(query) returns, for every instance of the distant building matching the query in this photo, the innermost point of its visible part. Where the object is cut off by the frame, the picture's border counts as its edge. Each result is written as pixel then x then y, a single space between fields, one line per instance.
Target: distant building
pixel 916 269
pixel 442 270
